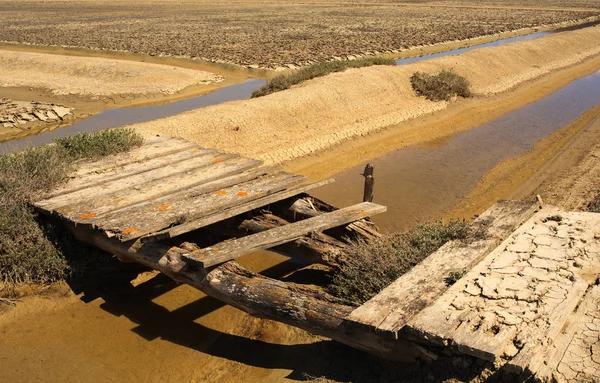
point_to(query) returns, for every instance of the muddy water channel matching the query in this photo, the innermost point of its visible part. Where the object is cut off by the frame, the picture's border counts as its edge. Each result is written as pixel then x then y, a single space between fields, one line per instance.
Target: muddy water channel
pixel 421 183
pixel 114 118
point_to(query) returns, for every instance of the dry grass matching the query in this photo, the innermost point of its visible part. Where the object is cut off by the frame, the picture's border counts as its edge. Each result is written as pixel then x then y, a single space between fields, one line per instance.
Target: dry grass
pixel 285 81
pixel 374 265
pixel 31 251
pixel 267 34
pixel 440 87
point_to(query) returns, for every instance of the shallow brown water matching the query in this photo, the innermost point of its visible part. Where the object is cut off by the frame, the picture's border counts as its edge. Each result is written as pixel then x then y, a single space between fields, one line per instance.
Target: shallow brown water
pixel 421 183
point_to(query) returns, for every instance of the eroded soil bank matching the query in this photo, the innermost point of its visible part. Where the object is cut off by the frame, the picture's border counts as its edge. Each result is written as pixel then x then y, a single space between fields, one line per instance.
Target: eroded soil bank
pixel 326 111
pixel 420 183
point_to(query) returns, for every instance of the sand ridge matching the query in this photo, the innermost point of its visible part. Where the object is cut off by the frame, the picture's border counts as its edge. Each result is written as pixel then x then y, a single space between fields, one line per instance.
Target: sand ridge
pixel 92 76
pixel 326 111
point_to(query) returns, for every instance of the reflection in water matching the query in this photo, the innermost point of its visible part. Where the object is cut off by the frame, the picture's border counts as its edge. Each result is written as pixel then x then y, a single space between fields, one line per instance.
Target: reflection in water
pixel 420 183
pixel 466 49
pixel 125 116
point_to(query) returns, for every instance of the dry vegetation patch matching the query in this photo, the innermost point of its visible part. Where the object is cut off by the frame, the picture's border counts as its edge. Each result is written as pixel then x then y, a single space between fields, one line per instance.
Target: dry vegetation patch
pixel 285 81
pixel 372 266
pixel 29 250
pixel 267 34
pixel 440 87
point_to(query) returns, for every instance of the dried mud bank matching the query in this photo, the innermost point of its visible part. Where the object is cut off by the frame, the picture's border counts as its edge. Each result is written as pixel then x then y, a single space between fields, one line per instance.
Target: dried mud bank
pixel 326 111
pixel 19 117
pixel 95 77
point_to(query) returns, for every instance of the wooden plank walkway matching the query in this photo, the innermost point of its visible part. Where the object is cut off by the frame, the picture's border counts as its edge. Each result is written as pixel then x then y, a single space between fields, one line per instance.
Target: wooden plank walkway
pixel 168 187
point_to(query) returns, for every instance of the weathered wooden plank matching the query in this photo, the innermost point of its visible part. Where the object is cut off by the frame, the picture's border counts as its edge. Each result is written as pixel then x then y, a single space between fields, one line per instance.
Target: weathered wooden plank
pixel 97 207
pixel 231 249
pixel 570 352
pixel 519 297
pixel 531 357
pixel 312 311
pixel 390 310
pixel 315 247
pixel 137 183
pixel 153 147
pixel 233 211
pixel 126 170
pixel 166 213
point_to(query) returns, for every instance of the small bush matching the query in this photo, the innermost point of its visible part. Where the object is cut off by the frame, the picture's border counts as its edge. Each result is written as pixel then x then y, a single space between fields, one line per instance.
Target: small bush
pixel 594 205
pixel 372 266
pixel 440 87
pixel 454 276
pixel 100 144
pixel 30 252
pixel 285 81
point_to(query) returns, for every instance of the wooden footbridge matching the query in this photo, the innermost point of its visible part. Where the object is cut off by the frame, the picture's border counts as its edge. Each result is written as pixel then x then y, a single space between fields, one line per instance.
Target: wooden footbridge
pixel 189 212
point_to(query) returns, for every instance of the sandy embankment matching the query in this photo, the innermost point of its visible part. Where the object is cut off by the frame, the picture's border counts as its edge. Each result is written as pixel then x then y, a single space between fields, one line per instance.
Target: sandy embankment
pixel 326 111
pixel 95 77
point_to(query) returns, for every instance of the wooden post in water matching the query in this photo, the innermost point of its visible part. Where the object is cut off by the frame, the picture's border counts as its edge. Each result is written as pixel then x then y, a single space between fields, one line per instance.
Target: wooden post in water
pixel 369 183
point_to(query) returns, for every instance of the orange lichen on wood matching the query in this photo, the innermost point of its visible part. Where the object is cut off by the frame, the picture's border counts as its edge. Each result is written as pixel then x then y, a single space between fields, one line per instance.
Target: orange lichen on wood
pixel 221 192
pixel 117 201
pixel 87 215
pixel 218 159
pixel 129 230
pixel 163 207
pixel 242 194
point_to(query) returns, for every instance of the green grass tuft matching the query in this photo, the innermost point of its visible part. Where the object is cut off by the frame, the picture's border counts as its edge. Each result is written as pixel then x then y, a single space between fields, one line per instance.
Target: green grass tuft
pixel 372 266
pixel 285 81
pixel 30 252
pixel 440 87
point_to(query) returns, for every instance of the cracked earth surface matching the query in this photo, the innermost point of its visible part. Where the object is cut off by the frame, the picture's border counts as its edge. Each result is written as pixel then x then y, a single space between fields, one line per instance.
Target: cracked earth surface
pixel 511 307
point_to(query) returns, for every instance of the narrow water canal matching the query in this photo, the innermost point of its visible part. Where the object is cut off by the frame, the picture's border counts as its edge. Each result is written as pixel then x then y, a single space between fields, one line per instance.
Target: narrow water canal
pixel 126 116
pixel 421 183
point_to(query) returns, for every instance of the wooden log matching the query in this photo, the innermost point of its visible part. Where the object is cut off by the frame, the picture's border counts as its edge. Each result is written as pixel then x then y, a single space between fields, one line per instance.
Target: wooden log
pixel 231 249
pixel 310 310
pixel 369 183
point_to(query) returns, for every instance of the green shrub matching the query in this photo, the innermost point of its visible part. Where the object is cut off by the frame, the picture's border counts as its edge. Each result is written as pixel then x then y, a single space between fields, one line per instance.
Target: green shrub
pixel 285 81
pixel 372 266
pixel 440 87
pixel 454 276
pixel 594 205
pixel 30 252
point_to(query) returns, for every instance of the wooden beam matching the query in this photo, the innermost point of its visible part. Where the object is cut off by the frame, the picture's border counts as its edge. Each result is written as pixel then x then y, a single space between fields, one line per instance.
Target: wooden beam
pixel 235 248
pixel 312 311
pixel 314 247
pixel 226 213
pixel 369 183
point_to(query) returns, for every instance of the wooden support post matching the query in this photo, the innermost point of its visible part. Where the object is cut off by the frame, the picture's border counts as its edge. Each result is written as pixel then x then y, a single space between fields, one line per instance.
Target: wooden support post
pixel 369 183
